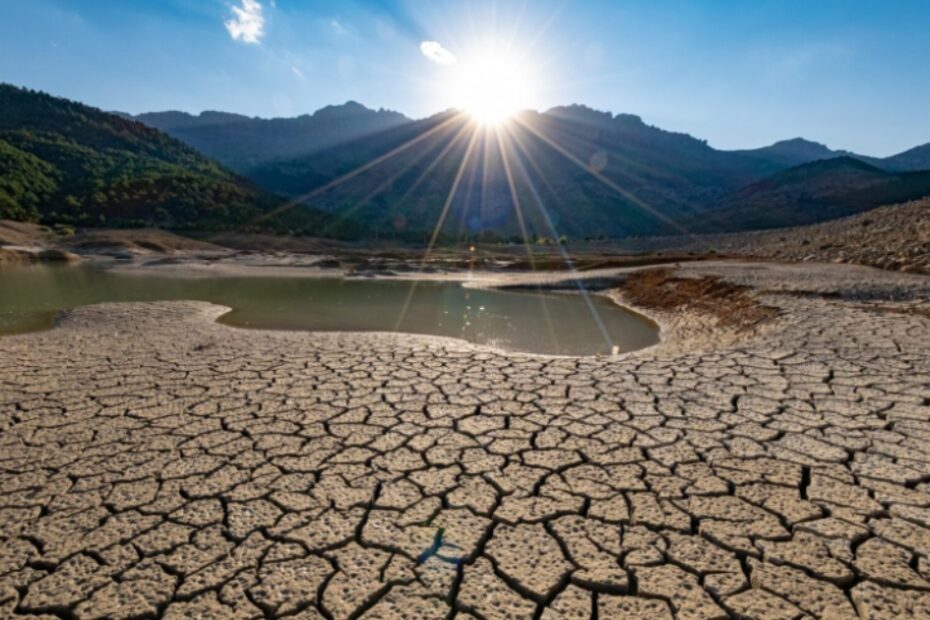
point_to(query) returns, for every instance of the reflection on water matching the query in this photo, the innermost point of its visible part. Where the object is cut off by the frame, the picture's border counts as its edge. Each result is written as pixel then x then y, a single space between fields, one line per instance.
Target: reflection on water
pixel 517 321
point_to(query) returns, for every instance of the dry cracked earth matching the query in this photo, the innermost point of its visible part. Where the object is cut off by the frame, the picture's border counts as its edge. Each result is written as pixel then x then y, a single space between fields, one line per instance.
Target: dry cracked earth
pixel 156 464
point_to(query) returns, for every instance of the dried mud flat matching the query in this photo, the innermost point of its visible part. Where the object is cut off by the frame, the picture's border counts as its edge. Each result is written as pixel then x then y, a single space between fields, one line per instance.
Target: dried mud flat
pixel 154 463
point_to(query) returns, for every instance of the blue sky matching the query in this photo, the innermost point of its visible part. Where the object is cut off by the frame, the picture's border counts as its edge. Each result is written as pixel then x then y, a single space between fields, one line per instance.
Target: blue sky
pixel 853 74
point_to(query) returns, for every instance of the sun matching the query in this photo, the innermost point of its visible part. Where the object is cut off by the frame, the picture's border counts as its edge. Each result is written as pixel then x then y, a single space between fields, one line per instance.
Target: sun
pixel 492 86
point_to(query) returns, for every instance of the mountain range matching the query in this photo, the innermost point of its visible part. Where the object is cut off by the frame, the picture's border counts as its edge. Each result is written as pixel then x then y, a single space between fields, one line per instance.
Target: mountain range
pixel 352 171
pixel 574 171
pixel 241 142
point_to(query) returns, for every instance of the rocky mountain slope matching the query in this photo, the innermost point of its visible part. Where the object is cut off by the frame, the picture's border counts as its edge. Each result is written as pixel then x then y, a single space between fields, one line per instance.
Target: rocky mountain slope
pixel 891 237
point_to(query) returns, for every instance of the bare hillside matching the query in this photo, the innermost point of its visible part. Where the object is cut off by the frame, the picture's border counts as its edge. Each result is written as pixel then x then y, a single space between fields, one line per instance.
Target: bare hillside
pixel 893 237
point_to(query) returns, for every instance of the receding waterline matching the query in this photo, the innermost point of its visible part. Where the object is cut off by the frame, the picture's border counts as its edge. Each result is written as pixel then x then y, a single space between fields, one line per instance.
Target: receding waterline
pixel 532 322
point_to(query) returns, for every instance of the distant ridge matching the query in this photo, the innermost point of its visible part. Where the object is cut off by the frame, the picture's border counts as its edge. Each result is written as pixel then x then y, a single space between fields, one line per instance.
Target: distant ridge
pixel 243 142
pixel 814 192
pixel 174 120
pixel 917 158
pixel 354 120
pixel 793 152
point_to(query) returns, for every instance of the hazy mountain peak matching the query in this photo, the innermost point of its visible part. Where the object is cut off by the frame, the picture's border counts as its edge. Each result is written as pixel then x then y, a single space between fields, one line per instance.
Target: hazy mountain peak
pixel 242 142
pixel 631 120
pixel 347 107
pixel 802 147
pixel 175 119
pixel 579 112
pixel 917 158
pixel 793 152
pixel 209 115
pixel 353 109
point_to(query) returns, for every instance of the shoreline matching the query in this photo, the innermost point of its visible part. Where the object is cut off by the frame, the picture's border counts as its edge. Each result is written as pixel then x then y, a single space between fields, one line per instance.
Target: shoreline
pixel 677 329
pixel 549 282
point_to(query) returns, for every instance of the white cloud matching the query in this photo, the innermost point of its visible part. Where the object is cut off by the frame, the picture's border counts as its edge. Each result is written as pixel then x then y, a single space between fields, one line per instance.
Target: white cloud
pixel 248 23
pixel 337 26
pixel 297 72
pixel 434 51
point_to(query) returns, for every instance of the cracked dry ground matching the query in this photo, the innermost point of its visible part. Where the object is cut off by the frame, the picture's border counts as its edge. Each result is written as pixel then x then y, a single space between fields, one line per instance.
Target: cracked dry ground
pixel 156 464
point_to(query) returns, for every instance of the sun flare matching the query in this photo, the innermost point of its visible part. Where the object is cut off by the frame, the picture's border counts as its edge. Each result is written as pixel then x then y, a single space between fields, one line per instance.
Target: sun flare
pixel 492 86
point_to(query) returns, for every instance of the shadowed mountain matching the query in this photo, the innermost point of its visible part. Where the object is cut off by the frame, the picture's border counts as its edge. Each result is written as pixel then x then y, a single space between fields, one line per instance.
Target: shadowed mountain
pixel 566 166
pixel 917 158
pixel 242 143
pixel 814 192
pixel 405 192
pixel 575 171
pixel 788 153
pixel 569 171
pixel 64 162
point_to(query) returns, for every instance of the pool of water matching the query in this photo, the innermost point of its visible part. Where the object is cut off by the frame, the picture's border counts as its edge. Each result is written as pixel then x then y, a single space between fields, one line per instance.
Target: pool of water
pixel 550 323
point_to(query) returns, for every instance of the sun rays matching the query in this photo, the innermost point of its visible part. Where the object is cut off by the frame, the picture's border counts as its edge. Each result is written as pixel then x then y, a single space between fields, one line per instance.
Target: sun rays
pixel 482 168
pixel 480 151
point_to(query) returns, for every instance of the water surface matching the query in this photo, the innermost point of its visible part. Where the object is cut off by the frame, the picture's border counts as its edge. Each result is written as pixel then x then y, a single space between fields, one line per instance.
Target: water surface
pixel 551 323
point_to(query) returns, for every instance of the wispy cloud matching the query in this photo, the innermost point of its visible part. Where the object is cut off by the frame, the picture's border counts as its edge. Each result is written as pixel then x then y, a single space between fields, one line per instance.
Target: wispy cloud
pixel 296 71
pixel 337 26
pixel 434 51
pixel 248 23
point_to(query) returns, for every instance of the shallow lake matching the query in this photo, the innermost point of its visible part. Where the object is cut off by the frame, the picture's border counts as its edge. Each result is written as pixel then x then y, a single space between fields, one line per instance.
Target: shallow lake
pixel 550 323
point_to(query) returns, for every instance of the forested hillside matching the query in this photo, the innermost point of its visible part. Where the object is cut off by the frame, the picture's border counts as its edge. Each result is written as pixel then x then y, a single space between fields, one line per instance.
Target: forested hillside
pixel 64 162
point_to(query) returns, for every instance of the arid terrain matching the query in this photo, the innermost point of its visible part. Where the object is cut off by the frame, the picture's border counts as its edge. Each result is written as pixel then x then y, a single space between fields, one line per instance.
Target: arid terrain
pixel 891 237
pixel 158 464
pixel 894 237
pixel 464 310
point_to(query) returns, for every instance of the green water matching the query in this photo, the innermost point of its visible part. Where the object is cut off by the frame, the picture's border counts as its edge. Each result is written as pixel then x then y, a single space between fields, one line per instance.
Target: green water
pixel 551 323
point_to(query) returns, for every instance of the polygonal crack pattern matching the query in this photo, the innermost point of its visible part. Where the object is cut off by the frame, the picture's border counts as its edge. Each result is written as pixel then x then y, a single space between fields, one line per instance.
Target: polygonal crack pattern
pixel 144 474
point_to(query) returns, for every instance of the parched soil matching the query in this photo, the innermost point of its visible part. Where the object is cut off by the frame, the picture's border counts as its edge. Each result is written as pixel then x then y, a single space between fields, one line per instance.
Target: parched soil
pixel 731 304
pixel 893 237
pixel 896 237
pixel 156 464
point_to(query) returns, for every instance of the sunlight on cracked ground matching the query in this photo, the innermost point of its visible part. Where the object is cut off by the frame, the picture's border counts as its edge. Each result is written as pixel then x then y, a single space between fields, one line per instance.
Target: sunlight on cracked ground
pixel 157 464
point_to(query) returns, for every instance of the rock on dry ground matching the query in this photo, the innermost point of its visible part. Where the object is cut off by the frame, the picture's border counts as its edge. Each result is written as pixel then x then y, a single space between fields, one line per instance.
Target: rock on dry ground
pixel 156 464
pixel 894 237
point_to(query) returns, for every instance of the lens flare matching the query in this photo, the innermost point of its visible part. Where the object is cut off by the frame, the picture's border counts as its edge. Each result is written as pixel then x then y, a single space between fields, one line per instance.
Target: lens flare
pixel 491 86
